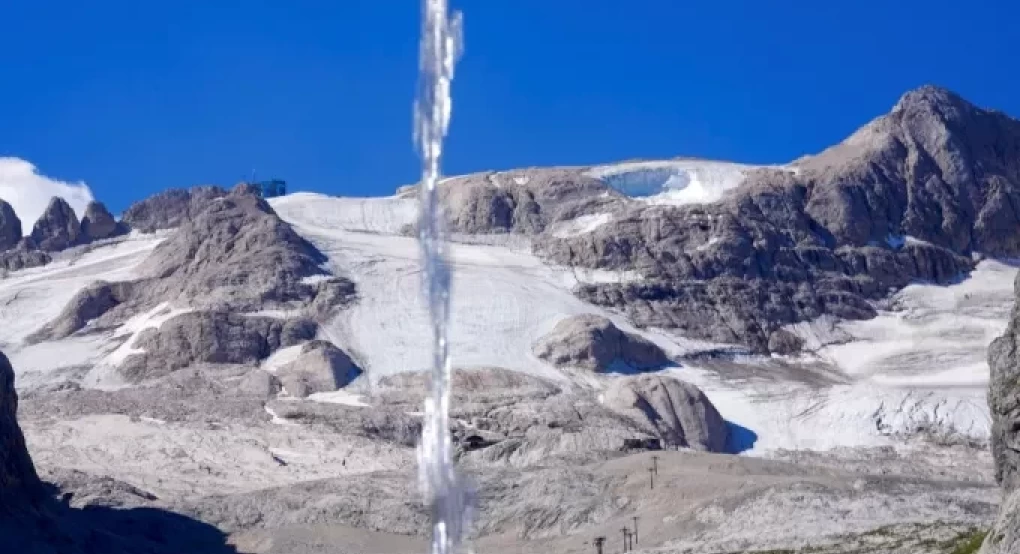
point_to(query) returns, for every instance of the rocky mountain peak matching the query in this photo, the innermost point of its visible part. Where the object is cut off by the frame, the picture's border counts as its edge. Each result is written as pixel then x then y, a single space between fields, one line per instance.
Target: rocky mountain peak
pixel 98 223
pixel 932 98
pixel 58 227
pixel 10 227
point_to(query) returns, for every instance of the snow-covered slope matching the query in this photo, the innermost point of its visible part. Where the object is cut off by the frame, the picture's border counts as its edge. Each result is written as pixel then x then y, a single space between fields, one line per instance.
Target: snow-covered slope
pixel 504 299
pixel 32 297
pixel 674 181
pixel 918 367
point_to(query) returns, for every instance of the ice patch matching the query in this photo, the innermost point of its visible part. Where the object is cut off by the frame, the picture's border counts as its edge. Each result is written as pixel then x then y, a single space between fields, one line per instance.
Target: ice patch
pixel 675 182
pixel 580 226
pixel 315 279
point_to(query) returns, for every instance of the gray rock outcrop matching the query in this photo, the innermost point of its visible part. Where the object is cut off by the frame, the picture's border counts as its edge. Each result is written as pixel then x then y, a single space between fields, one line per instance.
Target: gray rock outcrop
pixel 19 482
pixel 98 223
pixel 57 228
pixel 321 367
pixel 212 338
pixel 235 252
pixel 10 227
pixel 677 412
pixel 594 343
pixel 520 201
pixel 23 256
pixel 234 257
pixel 1004 403
pixel 169 209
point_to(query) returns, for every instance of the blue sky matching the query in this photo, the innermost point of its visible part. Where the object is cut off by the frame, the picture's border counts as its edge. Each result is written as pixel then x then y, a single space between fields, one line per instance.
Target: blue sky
pixel 134 97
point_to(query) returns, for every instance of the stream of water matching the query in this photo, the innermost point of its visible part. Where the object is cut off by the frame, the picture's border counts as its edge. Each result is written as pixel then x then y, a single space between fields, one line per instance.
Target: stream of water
pixel 444 493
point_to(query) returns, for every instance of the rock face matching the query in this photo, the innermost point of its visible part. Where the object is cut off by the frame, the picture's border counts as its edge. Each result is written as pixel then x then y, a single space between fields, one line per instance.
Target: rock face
pixel 520 201
pixel 677 412
pixel 23 256
pixel 98 223
pixel 1004 403
pixel 593 343
pixel 169 209
pixel 235 252
pixel 213 338
pixel 911 196
pixel 18 480
pixel 321 367
pixel 57 228
pixel 10 227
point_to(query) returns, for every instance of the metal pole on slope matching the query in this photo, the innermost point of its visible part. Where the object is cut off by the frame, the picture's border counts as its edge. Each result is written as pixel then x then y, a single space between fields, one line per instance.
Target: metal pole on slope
pixel 625 532
pixel 655 464
pixel 651 477
pixel 635 530
pixel 599 541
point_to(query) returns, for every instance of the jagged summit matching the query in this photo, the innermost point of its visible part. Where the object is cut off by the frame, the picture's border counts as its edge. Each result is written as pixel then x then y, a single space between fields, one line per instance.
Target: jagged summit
pixel 931 97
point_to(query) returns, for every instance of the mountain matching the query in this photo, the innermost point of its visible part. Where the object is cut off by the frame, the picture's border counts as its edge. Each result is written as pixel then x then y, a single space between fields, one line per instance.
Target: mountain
pixel 817 330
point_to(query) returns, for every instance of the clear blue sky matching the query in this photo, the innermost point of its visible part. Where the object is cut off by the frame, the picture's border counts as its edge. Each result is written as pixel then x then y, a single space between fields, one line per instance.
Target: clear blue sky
pixel 137 96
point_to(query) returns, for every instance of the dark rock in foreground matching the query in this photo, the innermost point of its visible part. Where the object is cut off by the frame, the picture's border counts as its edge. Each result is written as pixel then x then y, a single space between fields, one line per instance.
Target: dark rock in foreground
pixel 19 483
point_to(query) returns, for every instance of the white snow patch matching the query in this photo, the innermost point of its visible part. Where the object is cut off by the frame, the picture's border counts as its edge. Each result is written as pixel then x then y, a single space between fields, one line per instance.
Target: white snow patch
pixel 153 319
pixel 898 241
pixel 282 357
pixel 576 275
pixel 152 420
pixel 580 226
pixel 277 419
pixel 339 397
pixel 708 244
pixel 315 279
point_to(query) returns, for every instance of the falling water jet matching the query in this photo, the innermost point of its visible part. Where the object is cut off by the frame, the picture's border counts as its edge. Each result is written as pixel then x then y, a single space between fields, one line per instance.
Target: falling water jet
pixel 444 493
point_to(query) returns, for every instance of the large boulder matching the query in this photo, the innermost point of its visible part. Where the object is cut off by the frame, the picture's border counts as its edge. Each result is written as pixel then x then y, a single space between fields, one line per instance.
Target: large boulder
pixel 18 480
pixel 677 412
pixel 321 367
pixel 10 227
pixel 169 209
pixel 98 223
pixel 594 343
pixel 57 228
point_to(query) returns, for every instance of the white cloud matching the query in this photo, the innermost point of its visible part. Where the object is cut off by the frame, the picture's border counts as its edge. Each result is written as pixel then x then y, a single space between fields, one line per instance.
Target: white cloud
pixel 28 192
